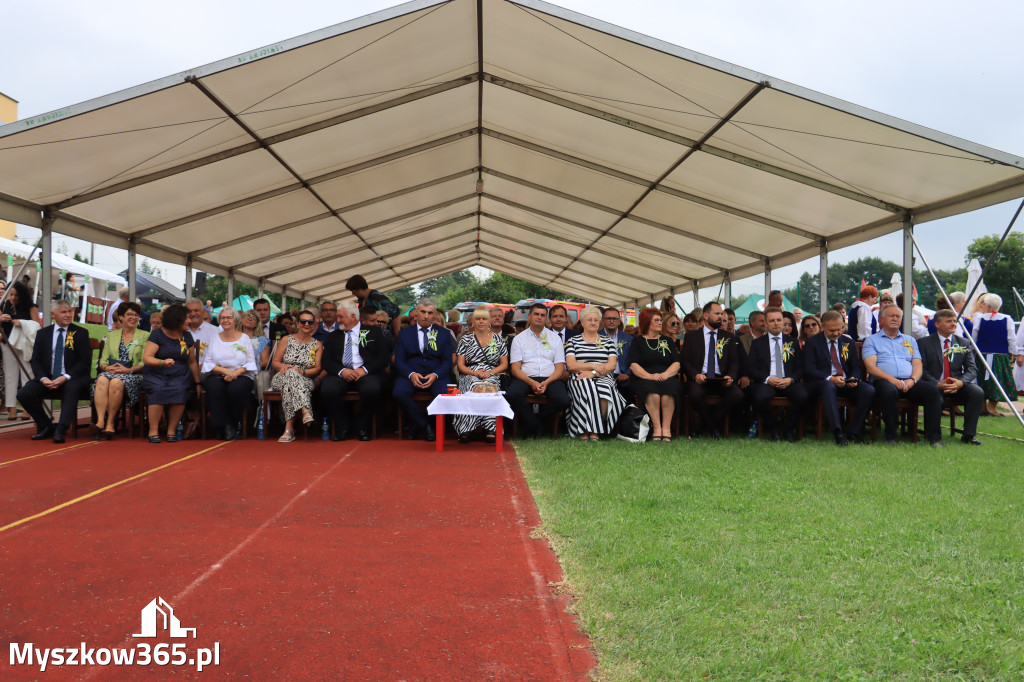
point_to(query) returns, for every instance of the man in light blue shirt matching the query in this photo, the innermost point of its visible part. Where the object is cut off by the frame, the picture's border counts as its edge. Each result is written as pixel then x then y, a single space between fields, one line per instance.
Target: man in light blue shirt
pixel 893 360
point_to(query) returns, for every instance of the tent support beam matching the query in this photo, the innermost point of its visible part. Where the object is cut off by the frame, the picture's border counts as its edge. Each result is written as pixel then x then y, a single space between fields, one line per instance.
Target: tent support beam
pixel 279 159
pixel 593 230
pixel 258 144
pixel 604 252
pixel 970 339
pixel 908 274
pixel 696 144
pixel 727 289
pixel 693 288
pixel 373 272
pixel 767 279
pixel 133 253
pixel 188 278
pixel 231 287
pixel 361 231
pixel 652 223
pixel 603 268
pixel 823 277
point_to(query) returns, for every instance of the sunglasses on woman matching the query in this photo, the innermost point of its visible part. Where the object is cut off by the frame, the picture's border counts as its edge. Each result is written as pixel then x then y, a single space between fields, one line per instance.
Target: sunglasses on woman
pixel 306 321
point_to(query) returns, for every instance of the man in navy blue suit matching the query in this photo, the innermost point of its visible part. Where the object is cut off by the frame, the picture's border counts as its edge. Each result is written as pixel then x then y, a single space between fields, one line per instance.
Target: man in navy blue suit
pixel 832 370
pixel 775 369
pixel 61 362
pixel 423 359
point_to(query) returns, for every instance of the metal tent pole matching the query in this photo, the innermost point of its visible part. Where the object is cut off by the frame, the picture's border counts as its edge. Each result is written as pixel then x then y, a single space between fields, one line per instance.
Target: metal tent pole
pixel 132 279
pixel 767 279
pixel 988 261
pixel 908 275
pixel 231 287
pixel 188 279
pixel 823 277
pixel 45 280
pixel 970 339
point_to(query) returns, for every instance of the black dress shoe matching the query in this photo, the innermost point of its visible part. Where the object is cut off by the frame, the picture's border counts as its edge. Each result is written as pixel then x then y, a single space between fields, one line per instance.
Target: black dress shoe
pixel 856 438
pixel 230 433
pixel 792 437
pixel 340 435
pixel 428 434
pixel 970 440
pixel 776 436
pixel 44 433
pixel 464 438
pixel 59 432
pixel 410 434
pixel 365 436
pixel 716 435
pixel 841 439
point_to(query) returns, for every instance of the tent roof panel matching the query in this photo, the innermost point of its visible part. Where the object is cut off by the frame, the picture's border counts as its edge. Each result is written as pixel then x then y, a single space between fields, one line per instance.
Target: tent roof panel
pixel 234 164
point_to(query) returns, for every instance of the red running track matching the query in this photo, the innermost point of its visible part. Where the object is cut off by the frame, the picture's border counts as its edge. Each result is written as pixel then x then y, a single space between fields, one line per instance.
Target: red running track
pixel 314 560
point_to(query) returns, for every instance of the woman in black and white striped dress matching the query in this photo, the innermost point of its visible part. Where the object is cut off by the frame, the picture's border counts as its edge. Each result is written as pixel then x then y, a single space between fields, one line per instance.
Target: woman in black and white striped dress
pixel 595 402
pixel 481 358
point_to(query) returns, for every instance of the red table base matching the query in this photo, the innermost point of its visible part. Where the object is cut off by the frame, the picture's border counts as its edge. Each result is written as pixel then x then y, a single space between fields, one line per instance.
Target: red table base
pixel 498 434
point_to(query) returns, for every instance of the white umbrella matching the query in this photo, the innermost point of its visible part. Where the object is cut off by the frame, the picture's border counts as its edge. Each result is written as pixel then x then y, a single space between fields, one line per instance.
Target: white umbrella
pixel 896 285
pixel 974 277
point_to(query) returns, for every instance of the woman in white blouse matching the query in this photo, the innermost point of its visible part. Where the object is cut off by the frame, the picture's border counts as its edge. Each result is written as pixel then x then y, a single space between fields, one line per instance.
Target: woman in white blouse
pixel 229 370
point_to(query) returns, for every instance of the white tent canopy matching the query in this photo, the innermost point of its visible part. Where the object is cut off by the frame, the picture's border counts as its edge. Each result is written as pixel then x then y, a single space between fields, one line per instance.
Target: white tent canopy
pixel 61 262
pixel 518 136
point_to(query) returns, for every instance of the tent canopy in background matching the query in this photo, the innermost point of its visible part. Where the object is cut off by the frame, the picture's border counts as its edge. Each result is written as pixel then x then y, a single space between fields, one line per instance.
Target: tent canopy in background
pixel 756 302
pixel 61 262
pixel 518 136
pixel 244 302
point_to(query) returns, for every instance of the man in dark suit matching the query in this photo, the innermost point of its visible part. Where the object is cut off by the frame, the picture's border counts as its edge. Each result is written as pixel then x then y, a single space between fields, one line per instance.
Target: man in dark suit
pixel 559 319
pixel 611 318
pixel 832 370
pixel 354 359
pixel 948 361
pixel 775 369
pixel 272 330
pixel 423 358
pixel 61 360
pixel 711 360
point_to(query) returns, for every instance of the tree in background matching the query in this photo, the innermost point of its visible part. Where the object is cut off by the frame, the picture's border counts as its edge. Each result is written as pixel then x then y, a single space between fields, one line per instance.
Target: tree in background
pixel 1007 270
pixel 404 298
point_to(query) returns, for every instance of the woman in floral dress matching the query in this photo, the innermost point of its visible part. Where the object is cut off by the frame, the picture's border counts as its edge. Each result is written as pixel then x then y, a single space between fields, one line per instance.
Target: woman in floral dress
pixel 297 363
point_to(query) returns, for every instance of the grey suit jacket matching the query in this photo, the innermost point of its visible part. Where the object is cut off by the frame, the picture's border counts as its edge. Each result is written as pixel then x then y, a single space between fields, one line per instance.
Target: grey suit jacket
pixel 961 364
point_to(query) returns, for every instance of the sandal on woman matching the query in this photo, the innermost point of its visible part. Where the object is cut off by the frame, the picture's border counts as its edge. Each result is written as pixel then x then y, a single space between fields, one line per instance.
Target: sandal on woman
pixel 287 437
pixel 171 438
pixel 307 416
pixel 657 438
pixel 153 439
pixel 666 439
pixel 106 435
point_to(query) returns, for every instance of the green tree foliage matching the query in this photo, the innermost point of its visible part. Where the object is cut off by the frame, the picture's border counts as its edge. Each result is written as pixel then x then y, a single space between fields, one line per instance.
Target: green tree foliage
pixel 148 268
pixel 1007 269
pixel 439 286
pixel 404 298
pixel 844 282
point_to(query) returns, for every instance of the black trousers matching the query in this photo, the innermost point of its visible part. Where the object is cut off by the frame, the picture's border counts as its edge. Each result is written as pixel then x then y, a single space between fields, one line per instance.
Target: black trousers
pixel 32 395
pixel 762 395
pixel 712 415
pixel 535 424
pixel 862 395
pixel 972 397
pixel 226 400
pixel 926 394
pixel 332 393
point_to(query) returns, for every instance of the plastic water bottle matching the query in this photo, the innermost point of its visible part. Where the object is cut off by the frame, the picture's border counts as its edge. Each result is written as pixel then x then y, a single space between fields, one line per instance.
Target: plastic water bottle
pixel 325 430
pixel 752 431
pixel 180 431
pixel 259 427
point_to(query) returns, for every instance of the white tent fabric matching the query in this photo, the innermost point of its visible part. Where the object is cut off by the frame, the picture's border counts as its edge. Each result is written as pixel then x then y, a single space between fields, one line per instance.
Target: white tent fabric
pixel 61 262
pixel 518 136
pixel 973 279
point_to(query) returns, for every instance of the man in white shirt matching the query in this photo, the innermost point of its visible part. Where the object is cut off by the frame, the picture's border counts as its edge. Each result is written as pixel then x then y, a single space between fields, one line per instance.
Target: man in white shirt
pixel 202 331
pixel 537 363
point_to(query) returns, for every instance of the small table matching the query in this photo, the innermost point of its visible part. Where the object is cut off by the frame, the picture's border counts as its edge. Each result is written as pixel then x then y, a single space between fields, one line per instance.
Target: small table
pixel 477 404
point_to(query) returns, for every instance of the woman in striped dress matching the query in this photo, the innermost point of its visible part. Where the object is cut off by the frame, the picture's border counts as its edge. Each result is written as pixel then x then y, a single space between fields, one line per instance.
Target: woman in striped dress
pixel 481 358
pixel 595 402
pixel 996 337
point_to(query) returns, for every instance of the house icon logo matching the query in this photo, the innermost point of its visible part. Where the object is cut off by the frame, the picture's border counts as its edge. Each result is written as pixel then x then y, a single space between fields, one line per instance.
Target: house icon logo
pixel 151 620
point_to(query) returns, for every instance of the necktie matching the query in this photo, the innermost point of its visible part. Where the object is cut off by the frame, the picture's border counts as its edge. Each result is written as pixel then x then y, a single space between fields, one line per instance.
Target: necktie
pixel 347 359
pixel 58 355
pixel 711 355
pixel 946 374
pixel 778 360
pixel 423 340
pixel 835 359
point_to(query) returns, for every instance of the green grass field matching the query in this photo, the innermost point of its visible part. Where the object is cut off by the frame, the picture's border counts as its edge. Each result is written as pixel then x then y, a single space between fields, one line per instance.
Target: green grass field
pixel 746 560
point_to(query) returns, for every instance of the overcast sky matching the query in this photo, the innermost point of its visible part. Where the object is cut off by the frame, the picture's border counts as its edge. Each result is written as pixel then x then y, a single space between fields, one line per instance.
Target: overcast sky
pixel 947 65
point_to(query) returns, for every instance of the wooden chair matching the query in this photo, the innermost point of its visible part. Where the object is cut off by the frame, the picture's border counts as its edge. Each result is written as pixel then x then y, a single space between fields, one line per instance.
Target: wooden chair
pixel 534 399
pixel 272 396
pixel 688 410
pixel 781 402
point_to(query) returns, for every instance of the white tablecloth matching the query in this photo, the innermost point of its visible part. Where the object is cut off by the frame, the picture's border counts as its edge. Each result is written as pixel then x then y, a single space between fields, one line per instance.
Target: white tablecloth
pixel 478 404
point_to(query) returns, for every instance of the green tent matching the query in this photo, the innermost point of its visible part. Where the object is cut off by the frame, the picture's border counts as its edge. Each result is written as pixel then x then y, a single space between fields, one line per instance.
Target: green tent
pixel 244 302
pixel 756 302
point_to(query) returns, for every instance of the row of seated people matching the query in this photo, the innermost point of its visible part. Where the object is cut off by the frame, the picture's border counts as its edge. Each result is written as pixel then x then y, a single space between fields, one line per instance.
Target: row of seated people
pixel 598 379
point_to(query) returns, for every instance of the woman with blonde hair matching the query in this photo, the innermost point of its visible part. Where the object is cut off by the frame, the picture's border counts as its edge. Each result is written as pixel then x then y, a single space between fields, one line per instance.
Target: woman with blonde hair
pixel 481 359
pixel 996 336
